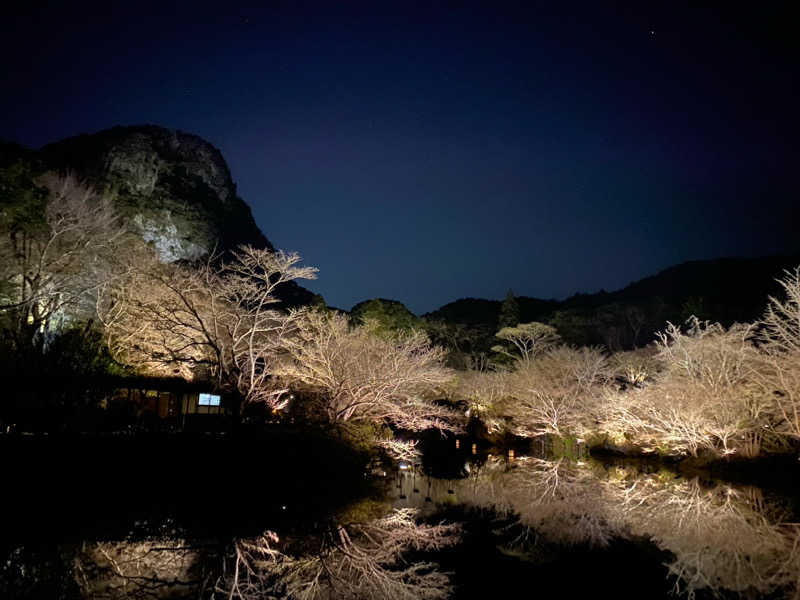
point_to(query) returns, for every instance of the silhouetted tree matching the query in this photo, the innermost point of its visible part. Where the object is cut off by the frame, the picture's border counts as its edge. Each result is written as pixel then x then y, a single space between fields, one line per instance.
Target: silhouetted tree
pixel 509 312
pixel 389 317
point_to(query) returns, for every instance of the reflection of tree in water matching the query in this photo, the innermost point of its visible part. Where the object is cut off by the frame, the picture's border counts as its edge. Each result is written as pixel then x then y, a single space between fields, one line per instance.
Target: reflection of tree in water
pixel 556 501
pixel 149 568
pixel 722 539
pixel 363 561
pixel 153 568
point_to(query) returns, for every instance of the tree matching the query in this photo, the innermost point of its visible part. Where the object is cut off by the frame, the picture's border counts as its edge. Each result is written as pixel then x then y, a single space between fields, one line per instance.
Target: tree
pixel 780 372
pixel 526 340
pixel 466 345
pixel 483 392
pixel 360 377
pixel 509 312
pixel 556 392
pixel 782 318
pixel 58 243
pixel 619 325
pixel 57 248
pixel 705 397
pixel 389 317
pixel 575 326
pixel 217 320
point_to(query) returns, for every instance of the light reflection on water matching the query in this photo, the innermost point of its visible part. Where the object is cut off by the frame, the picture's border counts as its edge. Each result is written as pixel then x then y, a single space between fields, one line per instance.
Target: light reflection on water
pixel 719 538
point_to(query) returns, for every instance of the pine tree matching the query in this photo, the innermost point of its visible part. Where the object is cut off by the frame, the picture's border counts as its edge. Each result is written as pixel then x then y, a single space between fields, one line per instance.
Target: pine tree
pixel 509 311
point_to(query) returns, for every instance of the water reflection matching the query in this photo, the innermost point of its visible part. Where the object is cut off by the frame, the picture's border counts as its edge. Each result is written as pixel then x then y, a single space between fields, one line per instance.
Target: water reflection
pixel 717 538
pixel 359 561
pixel 152 568
pixel 723 537
pixel 720 537
pixel 140 568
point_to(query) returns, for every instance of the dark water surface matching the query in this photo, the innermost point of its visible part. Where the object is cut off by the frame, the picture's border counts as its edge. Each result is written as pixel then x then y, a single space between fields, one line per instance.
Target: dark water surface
pixel 188 517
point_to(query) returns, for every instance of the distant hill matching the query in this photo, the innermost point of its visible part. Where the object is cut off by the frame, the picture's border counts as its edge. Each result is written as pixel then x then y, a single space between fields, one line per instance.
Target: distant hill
pixel 735 288
pixel 725 290
pixel 477 311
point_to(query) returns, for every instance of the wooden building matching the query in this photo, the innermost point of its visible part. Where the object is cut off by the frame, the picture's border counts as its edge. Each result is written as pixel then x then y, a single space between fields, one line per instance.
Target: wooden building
pixel 169 405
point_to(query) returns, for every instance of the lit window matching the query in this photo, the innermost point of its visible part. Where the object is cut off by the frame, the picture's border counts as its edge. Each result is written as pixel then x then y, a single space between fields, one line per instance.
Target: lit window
pixel 208 400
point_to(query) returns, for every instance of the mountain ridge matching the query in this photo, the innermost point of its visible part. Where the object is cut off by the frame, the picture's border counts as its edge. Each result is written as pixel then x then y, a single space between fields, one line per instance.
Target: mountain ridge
pixel 727 290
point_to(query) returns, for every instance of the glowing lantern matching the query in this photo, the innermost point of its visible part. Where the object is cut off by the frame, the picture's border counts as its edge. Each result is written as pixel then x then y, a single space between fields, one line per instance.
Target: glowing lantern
pixel 458 444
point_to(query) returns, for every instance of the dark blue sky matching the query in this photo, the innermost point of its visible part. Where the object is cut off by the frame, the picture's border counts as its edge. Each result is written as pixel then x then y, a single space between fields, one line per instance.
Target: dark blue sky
pixel 445 151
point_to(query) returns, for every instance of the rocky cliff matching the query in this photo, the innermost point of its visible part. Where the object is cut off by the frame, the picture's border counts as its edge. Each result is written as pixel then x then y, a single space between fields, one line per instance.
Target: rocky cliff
pixel 174 188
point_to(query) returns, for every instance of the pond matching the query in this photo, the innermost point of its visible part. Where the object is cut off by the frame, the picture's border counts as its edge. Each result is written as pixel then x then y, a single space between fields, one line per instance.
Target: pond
pixel 177 517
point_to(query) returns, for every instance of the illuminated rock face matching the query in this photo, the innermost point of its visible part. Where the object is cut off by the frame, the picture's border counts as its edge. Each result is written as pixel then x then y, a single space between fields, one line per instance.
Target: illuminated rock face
pixel 173 187
pixel 172 245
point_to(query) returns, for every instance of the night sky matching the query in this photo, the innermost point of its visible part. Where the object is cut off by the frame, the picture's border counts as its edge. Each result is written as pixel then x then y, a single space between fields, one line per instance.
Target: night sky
pixel 446 151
